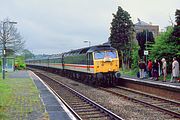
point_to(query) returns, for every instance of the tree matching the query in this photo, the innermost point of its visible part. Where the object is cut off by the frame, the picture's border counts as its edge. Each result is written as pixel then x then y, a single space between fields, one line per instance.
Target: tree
pixel 176 32
pixel 167 45
pixel 142 37
pixel 164 47
pixel 122 34
pixel 10 38
pixel 27 54
pixel 177 14
pixel 135 56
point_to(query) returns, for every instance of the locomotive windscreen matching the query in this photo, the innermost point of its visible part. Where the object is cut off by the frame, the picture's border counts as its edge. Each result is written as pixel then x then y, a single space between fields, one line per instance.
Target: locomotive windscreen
pixel 103 54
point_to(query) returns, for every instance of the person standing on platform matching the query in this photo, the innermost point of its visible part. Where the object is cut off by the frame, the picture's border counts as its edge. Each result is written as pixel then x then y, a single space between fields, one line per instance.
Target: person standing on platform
pixel 159 68
pixel 150 68
pixel 164 69
pixel 155 70
pixel 175 70
pixel 141 69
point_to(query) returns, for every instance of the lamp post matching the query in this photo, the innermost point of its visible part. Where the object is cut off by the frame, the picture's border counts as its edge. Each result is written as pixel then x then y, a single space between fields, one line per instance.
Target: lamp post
pixel 4 47
pixel 146 46
pixel 87 41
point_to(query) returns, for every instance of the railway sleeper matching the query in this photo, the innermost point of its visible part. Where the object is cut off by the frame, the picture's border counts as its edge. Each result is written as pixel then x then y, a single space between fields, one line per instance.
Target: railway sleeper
pixel 86 110
pixel 96 117
pixel 76 103
pixel 79 108
pixel 175 109
pixel 162 104
pixel 89 112
pixel 82 105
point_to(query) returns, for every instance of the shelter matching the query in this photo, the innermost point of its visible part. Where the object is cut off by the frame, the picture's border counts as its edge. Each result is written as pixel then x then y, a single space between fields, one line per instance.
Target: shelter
pixel 9 64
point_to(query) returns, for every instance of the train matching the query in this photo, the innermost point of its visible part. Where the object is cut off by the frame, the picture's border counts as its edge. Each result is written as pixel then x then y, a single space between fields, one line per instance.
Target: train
pixel 98 64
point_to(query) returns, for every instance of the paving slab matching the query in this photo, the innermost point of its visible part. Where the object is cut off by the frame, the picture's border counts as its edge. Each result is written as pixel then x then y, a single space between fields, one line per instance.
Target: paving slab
pixel 55 109
pixel 19 74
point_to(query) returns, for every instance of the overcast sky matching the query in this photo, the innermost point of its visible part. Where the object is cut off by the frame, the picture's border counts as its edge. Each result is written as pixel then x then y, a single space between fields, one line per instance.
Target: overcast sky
pixel 56 26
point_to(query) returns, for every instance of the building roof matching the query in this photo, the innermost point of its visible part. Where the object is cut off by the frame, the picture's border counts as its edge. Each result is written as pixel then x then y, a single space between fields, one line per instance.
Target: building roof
pixel 140 22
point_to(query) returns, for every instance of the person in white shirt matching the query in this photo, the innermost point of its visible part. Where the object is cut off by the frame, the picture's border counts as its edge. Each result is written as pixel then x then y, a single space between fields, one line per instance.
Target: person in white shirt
pixel 164 69
pixel 175 70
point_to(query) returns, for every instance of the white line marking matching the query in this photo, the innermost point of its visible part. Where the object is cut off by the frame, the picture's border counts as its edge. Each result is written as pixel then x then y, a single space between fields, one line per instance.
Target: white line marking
pixel 60 102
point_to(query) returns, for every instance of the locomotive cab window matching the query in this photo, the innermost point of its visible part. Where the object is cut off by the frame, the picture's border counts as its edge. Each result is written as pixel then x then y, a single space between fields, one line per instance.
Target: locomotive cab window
pixel 111 54
pixel 103 54
pixel 99 55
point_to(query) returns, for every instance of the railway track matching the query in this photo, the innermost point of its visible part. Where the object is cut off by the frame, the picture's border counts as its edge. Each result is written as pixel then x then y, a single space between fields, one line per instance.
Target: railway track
pixel 170 108
pixel 82 107
pixel 164 105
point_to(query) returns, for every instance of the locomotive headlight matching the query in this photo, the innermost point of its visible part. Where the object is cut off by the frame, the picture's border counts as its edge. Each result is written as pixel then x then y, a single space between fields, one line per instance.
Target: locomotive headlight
pixel 107 59
pixel 118 74
pixel 98 64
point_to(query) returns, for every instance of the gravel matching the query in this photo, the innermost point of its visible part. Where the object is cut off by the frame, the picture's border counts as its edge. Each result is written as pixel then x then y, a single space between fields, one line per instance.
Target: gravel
pixel 124 108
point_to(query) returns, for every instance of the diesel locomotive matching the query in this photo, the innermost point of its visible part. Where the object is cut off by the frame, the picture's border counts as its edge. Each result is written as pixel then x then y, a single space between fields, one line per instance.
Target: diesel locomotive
pixel 96 64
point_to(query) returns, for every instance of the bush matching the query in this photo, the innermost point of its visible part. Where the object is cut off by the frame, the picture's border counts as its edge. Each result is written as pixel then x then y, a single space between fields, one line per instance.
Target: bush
pixel 20 67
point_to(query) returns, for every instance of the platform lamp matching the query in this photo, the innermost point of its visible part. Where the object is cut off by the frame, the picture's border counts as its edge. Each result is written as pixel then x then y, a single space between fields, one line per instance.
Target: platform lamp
pixel 87 41
pixel 4 47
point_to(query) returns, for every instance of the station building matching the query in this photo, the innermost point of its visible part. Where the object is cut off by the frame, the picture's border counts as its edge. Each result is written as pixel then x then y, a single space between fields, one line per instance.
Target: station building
pixel 141 25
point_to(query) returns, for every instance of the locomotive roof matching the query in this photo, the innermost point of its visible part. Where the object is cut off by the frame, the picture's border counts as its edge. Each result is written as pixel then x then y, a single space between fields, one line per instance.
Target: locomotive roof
pixel 100 47
pixel 90 49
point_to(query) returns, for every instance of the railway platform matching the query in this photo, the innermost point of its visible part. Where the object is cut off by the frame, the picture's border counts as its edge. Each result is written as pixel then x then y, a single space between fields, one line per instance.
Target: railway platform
pixel 150 81
pixel 163 89
pixel 53 106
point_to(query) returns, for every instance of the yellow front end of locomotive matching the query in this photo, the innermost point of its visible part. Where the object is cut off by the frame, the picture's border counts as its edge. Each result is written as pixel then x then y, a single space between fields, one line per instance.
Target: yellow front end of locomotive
pixel 104 64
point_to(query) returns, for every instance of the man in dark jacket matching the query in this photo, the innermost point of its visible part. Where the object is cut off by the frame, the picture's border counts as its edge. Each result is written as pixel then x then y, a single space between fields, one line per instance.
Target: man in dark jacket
pixel 142 67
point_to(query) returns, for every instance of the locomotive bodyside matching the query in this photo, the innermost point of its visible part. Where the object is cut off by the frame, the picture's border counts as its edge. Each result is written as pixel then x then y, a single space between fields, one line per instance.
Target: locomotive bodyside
pixel 79 61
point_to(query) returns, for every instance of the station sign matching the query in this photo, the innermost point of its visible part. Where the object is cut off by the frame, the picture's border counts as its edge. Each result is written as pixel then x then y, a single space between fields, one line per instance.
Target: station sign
pixel 146 52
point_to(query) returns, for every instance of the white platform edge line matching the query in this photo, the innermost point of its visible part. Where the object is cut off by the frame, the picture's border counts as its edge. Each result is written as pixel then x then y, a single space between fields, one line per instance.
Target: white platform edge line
pixel 151 82
pixel 37 89
pixel 59 101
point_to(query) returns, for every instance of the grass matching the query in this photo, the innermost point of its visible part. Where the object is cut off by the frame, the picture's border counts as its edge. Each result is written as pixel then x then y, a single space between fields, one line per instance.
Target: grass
pixel 5 98
pixel 19 99
pixel 129 72
pixel 168 77
pixel 133 73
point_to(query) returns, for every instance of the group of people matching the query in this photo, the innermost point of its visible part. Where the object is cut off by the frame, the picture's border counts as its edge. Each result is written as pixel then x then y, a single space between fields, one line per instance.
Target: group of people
pixel 154 69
